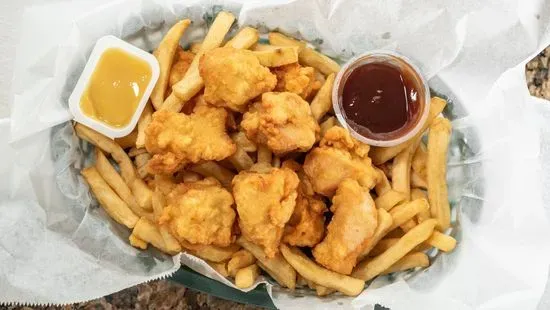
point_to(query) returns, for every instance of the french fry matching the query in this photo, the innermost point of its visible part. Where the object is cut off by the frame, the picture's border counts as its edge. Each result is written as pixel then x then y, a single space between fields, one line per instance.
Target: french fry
pixel 190 176
pixel 195 47
pixel 158 202
pixel 240 159
pixel 327 124
pixel 382 246
pixel 263 47
pixel 401 171
pixel 389 199
pixel 139 189
pixel 276 162
pixel 405 212
pixel 417 181
pixel 279 39
pixel 322 102
pixel 211 253
pixel 115 181
pixel 220 268
pixel 369 269
pixel 441 241
pixel 409 261
pixel 127 141
pixel 327 278
pixel 246 276
pixel 242 140
pixel 277 267
pixel 417 194
pixel 277 57
pixel 239 260
pixel 170 242
pixel 438 144
pixel 192 82
pixel 141 161
pixel 307 56
pixel 213 169
pixel 148 232
pixel 246 37
pixel 383 186
pixel 264 155
pixel 144 121
pixel 261 167
pixel 385 222
pixel 117 209
pixel 137 243
pixel 165 55
pixel 380 155
pixel 420 158
pixel 408 225
pixel 135 151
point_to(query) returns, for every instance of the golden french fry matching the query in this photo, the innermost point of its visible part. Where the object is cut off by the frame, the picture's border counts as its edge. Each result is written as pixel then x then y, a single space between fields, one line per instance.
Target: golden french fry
pixel 323 290
pixel 417 194
pixel 135 151
pixel 408 225
pixel 158 202
pixel 213 169
pixel 417 181
pixel 279 39
pixel 192 82
pixel 242 140
pixel 438 144
pixel 211 253
pixel 441 241
pixel 327 124
pixel 385 222
pixel 139 189
pixel 389 199
pixel 401 171
pixel 246 276
pixel 246 37
pixel 148 232
pixel 409 261
pixel 383 186
pixel 170 242
pixel 127 141
pixel 369 269
pixel 277 267
pixel 239 260
pixel 380 155
pixel 322 103
pixel 195 47
pixel 137 243
pixel 241 160
pixel 117 209
pixel 144 121
pixel 420 158
pixel 190 176
pixel 263 47
pixel 261 168
pixel 165 55
pixel 406 211
pixel 277 57
pixel 264 155
pixel 382 246
pixel 311 271
pixel 115 181
pixel 220 268
pixel 307 56
pixel 141 161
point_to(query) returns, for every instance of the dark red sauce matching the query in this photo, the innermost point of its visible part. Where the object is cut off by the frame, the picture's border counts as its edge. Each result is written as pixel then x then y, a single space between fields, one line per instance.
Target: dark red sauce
pixel 381 101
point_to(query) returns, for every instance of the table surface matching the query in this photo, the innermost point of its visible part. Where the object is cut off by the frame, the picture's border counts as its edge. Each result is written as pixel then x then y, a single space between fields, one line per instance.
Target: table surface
pixel 165 294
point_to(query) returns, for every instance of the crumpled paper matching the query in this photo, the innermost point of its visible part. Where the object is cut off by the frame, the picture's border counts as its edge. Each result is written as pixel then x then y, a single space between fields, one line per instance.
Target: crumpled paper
pixel 57 246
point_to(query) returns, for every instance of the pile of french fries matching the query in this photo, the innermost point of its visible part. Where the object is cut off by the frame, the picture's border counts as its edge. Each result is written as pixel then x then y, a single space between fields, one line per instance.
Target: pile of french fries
pixel 411 196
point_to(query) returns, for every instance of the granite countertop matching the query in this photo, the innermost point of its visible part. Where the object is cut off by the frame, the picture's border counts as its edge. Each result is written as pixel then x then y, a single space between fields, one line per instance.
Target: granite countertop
pixel 164 294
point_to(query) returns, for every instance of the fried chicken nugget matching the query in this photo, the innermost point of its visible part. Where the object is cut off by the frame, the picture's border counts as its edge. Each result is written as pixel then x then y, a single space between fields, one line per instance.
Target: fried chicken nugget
pixel 232 77
pixel 283 122
pixel 354 221
pixel 265 202
pixel 177 139
pixel 200 212
pixel 337 158
pixel 296 79
pixel 181 64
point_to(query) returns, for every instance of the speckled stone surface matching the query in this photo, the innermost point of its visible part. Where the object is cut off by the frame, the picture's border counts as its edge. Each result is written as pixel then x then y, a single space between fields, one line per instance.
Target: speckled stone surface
pixel 164 294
